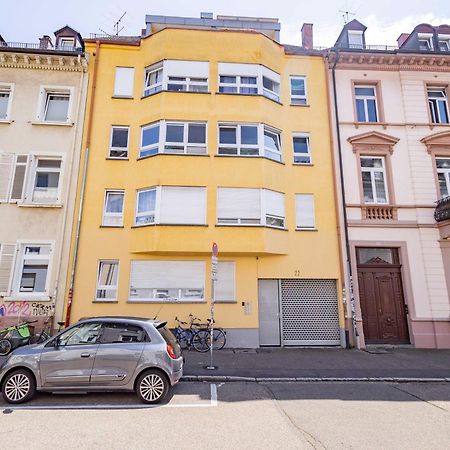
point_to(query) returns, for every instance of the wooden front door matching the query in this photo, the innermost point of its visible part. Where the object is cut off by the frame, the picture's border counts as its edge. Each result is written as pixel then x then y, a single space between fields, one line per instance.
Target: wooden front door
pixel 381 296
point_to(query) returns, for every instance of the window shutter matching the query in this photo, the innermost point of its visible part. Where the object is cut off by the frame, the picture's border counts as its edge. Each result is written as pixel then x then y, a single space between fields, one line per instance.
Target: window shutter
pixel 225 284
pixel 233 69
pixel 123 85
pixel 167 274
pixel 18 184
pixel 274 203
pixel 7 260
pixel 238 203
pixel 183 205
pixel 6 165
pixel 196 69
pixel 304 207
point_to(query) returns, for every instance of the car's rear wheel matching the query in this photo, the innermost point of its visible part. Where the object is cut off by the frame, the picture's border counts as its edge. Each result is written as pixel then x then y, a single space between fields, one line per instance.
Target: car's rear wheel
pixel 19 386
pixel 5 347
pixel 152 386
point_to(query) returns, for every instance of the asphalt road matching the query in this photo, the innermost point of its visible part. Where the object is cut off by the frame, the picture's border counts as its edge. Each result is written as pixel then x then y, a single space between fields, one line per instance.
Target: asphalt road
pixel 239 415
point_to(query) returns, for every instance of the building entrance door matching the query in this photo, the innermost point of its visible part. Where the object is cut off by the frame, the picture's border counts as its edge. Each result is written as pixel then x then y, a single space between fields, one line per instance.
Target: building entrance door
pixel 381 296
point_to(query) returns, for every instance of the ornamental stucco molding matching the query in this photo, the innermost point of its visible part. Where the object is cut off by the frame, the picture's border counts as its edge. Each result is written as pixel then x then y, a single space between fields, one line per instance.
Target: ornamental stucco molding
pixel 65 63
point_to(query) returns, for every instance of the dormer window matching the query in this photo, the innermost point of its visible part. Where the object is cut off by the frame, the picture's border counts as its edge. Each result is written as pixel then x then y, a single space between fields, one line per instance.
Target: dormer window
pixel 355 39
pixel 425 42
pixel 66 43
pixel 444 42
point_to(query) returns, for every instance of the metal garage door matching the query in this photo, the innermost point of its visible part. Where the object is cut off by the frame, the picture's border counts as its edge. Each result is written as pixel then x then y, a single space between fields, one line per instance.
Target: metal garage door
pixel 309 312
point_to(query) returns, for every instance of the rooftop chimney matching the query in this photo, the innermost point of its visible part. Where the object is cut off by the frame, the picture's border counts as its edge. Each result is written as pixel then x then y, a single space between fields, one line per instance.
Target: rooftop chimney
pixel 45 42
pixel 402 38
pixel 307 36
pixel 206 15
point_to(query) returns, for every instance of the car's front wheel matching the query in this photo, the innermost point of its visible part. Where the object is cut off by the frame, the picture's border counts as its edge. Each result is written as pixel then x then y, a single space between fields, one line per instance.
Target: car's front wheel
pixel 19 386
pixel 152 386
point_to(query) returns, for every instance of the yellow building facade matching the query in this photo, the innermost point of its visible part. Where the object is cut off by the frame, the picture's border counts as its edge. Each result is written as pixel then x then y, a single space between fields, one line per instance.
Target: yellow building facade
pixel 194 136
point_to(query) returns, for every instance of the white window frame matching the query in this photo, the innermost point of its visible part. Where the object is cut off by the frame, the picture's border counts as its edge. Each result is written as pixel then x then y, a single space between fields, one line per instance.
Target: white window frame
pixel 47 90
pixel 269 93
pixel 156 146
pixel 426 37
pixel 158 86
pixel 239 85
pixel 107 287
pixel 118 149
pixel 111 215
pixel 372 171
pixel 190 83
pixel 7 88
pixel 63 40
pixel 18 269
pixel 365 99
pixel 264 216
pixel 437 100
pixel 298 100
pixel 33 171
pixel 354 33
pixel 444 39
pixel 260 146
pixel 299 212
pixel 185 144
pixel 445 172
pixel 156 211
pixel 308 154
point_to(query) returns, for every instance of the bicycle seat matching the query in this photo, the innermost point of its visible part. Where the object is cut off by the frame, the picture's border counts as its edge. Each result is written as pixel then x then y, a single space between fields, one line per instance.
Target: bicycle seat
pixel 61 323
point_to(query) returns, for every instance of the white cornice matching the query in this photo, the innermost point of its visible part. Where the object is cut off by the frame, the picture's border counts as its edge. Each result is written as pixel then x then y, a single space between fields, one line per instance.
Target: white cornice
pixel 66 63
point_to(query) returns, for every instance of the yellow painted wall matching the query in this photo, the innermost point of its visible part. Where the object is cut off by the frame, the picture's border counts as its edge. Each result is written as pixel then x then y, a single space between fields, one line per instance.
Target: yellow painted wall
pixel 258 252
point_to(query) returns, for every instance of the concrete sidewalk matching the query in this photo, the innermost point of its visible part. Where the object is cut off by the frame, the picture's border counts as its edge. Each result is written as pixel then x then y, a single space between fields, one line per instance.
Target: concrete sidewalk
pixel 386 364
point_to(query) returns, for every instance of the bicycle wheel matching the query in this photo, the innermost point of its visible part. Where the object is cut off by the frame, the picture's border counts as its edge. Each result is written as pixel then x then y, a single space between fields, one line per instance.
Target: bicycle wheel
pixel 5 347
pixel 38 338
pixel 200 341
pixel 219 339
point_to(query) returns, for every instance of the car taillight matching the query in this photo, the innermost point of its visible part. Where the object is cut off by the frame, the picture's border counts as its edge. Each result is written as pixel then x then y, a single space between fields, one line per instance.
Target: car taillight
pixel 171 352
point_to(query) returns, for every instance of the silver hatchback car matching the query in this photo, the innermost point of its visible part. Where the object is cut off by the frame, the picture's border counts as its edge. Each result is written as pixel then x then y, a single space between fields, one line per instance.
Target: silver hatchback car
pixel 97 354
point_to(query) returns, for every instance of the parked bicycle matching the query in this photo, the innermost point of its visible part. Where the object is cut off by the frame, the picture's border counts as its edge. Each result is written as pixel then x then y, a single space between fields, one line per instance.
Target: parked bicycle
pixel 191 335
pixel 219 336
pixel 15 336
pixel 45 334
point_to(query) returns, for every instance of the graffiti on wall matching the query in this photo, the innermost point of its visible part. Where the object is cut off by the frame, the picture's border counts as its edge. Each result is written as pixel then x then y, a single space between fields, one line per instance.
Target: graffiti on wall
pixel 25 309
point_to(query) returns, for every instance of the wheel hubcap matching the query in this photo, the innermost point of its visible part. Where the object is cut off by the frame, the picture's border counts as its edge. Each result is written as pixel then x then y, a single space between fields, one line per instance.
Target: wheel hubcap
pixel 152 387
pixel 17 387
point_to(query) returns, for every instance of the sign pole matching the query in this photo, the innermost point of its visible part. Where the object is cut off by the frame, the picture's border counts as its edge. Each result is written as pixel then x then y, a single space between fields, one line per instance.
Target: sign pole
pixel 214 264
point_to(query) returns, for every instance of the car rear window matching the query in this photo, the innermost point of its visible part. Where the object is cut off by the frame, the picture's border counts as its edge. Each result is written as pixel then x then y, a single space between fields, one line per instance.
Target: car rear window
pixel 170 339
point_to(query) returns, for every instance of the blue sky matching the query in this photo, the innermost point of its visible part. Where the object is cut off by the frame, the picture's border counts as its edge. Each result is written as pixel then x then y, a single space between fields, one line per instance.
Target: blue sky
pixel 26 20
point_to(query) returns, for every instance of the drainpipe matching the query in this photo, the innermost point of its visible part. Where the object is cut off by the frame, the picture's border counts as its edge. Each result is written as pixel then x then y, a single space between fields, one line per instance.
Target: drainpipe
pixel 83 183
pixel 344 210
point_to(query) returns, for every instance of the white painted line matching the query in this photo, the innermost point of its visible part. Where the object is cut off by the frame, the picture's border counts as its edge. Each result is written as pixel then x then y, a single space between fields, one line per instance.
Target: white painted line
pixel 213 394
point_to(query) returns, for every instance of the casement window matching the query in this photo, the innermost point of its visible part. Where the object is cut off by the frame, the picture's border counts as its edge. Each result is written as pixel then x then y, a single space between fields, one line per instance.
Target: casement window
pixel 113 208
pixel 425 41
pixel 298 90
pixel 124 82
pixel 172 205
pixel 118 144
pixel 438 104
pixel 250 140
pixel 304 212
pixel 443 171
pixel 185 138
pixel 444 42
pixel 250 79
pixel 32 270
pixel 107 280
pixel 248 206
pixel 238 84
pixel 366 103
pixel 178 76
pixel 355 39
pixel 30 179
pixel 174 138
pixel 55 103
pixel 373 174
pixel 5 101
pixel 302 150
pixel 226 282
pixel 167 281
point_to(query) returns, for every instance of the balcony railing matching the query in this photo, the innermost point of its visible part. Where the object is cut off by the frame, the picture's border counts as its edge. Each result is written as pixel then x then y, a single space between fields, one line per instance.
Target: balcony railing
pixel 379 212
pixel 32 46
pixel 442 211
pixel 383 48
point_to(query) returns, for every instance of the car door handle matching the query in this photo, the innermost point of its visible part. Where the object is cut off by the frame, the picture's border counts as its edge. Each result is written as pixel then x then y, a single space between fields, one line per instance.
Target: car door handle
pixel 85 355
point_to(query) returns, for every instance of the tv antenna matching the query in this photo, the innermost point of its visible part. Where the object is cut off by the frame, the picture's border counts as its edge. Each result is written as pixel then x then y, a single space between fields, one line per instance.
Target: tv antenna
pixel 346 14
pixel 116 27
